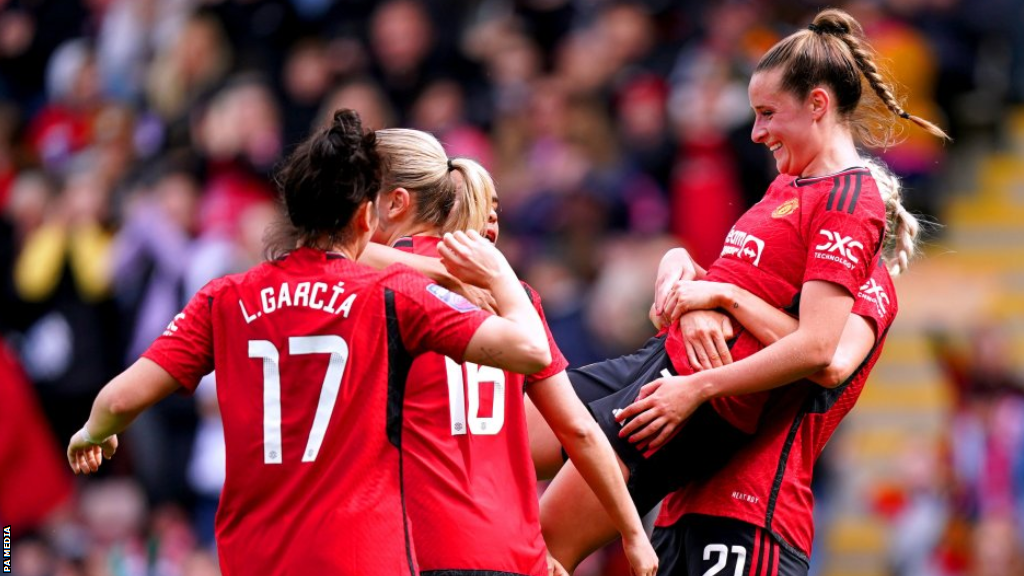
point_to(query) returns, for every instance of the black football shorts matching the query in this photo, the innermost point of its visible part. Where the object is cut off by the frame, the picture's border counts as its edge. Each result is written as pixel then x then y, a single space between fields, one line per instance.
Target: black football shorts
pixel 710 545
pixel 701 446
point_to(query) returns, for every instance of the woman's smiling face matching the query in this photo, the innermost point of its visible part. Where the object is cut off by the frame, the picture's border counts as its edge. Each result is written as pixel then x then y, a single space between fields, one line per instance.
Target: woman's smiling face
pixel 782 123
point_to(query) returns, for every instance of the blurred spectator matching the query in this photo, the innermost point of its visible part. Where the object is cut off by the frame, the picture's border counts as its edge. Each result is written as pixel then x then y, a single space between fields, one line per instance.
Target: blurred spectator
pixel 306 78
pixel 363 96
pixel 31 196
pixel 188 67
pixel 708 102
pixel 30 32
pixel 401 40
pixel 152 252
pixel 64 126
pixel 131 32
pixel 440 110
pixel 64 267
pixel 983 532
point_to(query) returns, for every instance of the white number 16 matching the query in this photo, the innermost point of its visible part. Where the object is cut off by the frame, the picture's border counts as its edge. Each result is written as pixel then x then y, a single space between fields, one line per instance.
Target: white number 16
pixel 459 388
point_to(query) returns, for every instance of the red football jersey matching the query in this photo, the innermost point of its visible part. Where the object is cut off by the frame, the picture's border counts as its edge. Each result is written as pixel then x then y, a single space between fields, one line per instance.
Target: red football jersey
pixel 468 455
pixel 768 482
pixel 826 228
pixel 312 353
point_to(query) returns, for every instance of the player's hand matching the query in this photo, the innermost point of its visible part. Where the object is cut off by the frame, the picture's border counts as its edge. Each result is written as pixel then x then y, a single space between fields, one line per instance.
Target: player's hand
pixel 705 336
pixel 555 567
pixel 677 264
pixel 688 295
pixel 660 408
pixel 479 296
pixel 85 457
pixel 472 258
pixel 641 555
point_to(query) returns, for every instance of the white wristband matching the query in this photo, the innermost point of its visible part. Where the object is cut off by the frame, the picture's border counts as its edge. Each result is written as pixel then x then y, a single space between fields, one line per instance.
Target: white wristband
pixel 89 439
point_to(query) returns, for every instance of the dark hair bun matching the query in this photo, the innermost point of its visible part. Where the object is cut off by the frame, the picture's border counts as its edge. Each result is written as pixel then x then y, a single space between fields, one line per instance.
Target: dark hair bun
pixel 837 23
pixel 330 175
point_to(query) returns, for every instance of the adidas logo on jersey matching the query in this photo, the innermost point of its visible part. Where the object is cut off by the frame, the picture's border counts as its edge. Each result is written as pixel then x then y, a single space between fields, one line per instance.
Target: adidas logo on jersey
pixel 743 246
pixel 874 293
pixel 838 248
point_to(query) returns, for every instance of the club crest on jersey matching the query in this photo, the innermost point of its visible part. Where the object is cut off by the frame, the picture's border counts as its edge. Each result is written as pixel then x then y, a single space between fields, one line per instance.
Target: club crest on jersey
pixel 743 246
pixel 838 248
pixel 786 208
pixel 455 301
pixel 874 293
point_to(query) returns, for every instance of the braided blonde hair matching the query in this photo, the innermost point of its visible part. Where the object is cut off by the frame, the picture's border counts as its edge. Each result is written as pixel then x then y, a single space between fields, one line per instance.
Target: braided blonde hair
pixel 901 227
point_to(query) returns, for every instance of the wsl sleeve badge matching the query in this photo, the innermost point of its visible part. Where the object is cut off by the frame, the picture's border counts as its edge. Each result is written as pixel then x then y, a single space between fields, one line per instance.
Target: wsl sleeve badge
pixel 453 300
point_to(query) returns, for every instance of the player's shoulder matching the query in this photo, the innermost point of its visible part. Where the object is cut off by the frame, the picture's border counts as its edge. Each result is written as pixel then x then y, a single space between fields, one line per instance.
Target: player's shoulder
pixel 849 191
pixel 412 284
pixel 397 276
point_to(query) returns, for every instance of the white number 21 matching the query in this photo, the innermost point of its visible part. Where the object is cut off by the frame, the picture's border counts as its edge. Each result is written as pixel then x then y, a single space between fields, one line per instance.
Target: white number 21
pixel 333 345
pixel 723 557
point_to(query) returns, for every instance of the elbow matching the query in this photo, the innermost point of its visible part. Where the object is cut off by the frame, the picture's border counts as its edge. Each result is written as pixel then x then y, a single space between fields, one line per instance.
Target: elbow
pixel 536 357
pixel 818 356
pixel 831 377
pixel 577 433
pixel 836 373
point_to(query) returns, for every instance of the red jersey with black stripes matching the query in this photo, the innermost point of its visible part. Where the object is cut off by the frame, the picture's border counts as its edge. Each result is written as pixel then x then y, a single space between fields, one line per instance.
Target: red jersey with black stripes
pixel 468 455
pixel 312 353
pixel 825 228
pixel 768 482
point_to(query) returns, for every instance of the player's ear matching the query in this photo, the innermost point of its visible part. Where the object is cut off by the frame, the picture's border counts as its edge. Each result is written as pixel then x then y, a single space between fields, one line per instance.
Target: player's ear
pixel 399 204
pixel 366 217
pixel 818 101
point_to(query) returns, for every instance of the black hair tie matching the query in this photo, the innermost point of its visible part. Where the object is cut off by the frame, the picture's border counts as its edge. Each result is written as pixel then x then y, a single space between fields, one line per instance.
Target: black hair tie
pixel 814 28
pixel 905 115
pixel 450 165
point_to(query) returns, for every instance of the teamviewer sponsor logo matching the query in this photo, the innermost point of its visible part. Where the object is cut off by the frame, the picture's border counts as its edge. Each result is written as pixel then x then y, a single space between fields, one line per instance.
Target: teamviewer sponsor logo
pixel 872 292
pixel 839 248
pixel 7 548
pixel 743 246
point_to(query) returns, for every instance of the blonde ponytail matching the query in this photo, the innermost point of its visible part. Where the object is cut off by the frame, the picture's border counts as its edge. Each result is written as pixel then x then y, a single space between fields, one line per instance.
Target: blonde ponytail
pixel 901 227
pixel 473 197
pixel 449 194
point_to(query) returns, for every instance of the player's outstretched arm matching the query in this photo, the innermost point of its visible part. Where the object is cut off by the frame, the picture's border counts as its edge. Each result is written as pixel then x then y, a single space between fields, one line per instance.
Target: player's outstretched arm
pixel 514 340
pixel 116 406
pixel 597 463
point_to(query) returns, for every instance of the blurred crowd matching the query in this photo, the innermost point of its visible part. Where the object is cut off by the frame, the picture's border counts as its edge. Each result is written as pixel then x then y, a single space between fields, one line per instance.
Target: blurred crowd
pixel 138 141
pixel 959 509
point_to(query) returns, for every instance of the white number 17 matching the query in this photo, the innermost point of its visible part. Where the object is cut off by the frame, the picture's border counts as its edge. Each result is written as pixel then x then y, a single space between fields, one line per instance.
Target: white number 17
pixel 333 345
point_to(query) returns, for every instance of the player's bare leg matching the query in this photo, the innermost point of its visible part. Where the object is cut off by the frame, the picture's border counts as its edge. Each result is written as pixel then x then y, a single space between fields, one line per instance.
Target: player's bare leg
pixel 573 520
pixel 544 446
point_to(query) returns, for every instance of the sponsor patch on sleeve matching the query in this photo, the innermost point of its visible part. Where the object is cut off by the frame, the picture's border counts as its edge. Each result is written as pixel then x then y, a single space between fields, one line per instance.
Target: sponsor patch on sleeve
pixel 455 301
